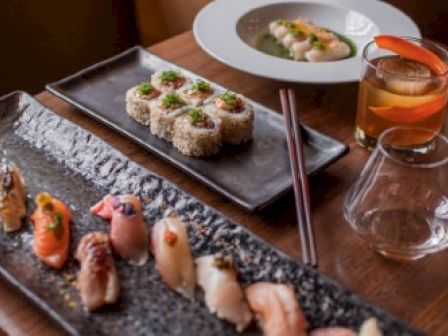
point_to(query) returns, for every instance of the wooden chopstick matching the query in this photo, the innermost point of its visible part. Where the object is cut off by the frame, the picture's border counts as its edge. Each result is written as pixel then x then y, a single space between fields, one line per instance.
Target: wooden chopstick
pixel 300 179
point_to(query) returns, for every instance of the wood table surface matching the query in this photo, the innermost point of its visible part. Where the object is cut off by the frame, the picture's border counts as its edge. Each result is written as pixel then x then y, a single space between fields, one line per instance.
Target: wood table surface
pixel 417 292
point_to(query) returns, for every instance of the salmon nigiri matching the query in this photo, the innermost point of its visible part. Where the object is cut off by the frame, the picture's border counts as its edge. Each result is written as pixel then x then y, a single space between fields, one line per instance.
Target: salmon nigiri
pixel 51 230
pixel 217 275
pixel 97 279
pixel 173 256
pixel 128 232
pixel 277 309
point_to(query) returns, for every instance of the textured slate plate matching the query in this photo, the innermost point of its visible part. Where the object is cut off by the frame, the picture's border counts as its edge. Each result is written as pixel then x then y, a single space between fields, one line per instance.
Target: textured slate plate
pixel 58 156
pixel 262 166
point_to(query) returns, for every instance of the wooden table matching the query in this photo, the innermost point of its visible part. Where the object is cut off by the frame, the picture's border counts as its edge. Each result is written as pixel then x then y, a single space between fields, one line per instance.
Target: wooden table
pixel 417 292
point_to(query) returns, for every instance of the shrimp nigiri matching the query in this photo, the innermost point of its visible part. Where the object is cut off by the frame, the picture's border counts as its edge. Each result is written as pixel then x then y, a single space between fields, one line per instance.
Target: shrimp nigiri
pixel 97 279
pixel 333 331
pixel 223 295
pixel 51 230
pixel 173 256
pixel 128 233
pixel 277 309
pixel 12 197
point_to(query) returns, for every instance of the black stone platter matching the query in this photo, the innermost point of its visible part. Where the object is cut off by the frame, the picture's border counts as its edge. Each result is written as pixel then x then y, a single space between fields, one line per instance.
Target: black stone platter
pixel 57 156
pixel 261 166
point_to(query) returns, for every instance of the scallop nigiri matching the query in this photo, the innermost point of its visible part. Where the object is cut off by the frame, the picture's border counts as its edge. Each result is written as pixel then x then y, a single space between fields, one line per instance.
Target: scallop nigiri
pixel 277 309
pixel 173 256
pixel 51 230
pixel 223 294
pixel 12 197
pixel 128 233
pixel 97 279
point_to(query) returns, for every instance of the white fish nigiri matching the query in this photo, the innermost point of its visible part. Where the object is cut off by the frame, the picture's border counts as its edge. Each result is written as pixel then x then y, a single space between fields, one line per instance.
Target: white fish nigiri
pixel 298 49
pixel 370 327
pixel 333 51
pixel 277 308
pixel 173 256
pixel 278 30
pixel 223 294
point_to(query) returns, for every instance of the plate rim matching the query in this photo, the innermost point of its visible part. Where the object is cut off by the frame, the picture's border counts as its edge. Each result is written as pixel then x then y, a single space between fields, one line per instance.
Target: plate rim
pixel 243 47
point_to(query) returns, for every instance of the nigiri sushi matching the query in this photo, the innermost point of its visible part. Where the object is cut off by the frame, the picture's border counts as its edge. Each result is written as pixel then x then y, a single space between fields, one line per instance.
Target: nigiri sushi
pixel 164 113
pixel 51 230
pixel 333 331
pixel 370 327
pixel 276 307
pixel 12 197
pixel 168 80
pixel 223 294
pixel 198 93
pixel 236 117
pixel 128 233
pixel 137 102
pixel 97 279
pixel 197 133
pixel 173 256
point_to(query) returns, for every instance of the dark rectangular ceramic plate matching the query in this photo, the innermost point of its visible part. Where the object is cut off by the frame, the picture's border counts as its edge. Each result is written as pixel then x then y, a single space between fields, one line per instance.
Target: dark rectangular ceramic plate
pixel 57 156
pixel 253 175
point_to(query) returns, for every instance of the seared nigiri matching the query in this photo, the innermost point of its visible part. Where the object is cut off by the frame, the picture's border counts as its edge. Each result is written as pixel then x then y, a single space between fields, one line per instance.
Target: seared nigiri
pixel 173 256
pixel 223 295
pixel 128 233
pixel 333 331
pixel 97 279
pixel 12 197
pixel 370 327
pixel 277 308
pixel 51 230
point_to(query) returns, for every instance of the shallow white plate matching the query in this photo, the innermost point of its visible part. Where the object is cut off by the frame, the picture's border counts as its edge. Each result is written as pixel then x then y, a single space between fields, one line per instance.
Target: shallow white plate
pixel 228 29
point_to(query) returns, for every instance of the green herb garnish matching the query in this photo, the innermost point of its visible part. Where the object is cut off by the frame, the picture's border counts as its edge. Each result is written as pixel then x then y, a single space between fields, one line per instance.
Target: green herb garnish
pixel 200 86
pixel 56 227
pixel 312 38
pixel 318 45
pixel 196 115
pixel 172 100
pixel 169 76
pixel 296 32
pixel 145 88
pixel 230 99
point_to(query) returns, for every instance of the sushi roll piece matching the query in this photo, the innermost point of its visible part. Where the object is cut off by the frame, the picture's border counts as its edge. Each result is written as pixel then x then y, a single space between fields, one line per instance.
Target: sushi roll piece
pixel 128 232
pixel 164 113
pixel 236 115
pixel 276 307
pixel 12 197
pixel 172 253
pixel 51 230
pixel 197 133
pixel 168 80
pixel 223 294
pixel 97 279
pixel 198 93
pixel 138 100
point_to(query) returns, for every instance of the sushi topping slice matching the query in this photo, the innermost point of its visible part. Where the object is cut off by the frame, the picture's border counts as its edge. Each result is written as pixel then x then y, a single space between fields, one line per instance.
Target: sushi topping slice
pixel 51 230
pixel 170 237
pixel 12 197
pixel 97 279
pixel 199 119
pixel 172 79
pixel 201 89
pixel 172 101
pixel 229 101
pixel 128 234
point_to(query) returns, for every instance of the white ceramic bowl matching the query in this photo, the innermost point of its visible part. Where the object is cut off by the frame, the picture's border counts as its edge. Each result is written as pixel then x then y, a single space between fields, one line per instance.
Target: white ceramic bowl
pixel 228 29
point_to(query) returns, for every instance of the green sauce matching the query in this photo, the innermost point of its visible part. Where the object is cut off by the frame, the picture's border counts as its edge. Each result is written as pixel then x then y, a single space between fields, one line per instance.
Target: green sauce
pixel 268 44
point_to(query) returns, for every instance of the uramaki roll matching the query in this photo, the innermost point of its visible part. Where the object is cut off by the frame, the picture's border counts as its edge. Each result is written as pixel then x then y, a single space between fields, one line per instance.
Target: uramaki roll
pixel 236 117
pixel 168 80
pixel 198 93
pixel 197 133
pixel 138 100
pixel 164 112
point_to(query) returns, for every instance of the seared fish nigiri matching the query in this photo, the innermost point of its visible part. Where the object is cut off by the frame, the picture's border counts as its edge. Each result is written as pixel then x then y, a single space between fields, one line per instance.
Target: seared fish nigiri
pixel 277 309
pixel 128 233
pixel 223 295
pixel 97 279
pixel 173 256
pixel 51 230
pixel 12 197
pixel 333 331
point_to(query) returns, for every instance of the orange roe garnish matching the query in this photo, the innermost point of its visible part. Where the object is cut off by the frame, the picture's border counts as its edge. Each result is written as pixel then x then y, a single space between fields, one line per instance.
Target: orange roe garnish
pixel 170 237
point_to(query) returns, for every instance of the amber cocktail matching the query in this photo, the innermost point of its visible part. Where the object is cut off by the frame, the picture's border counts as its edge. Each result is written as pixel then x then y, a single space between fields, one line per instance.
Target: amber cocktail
pixel 404 82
